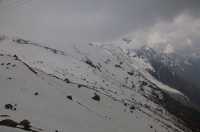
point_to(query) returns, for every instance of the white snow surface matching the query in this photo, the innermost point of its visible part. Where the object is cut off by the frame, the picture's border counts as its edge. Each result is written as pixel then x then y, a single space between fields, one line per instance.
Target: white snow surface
pixel 51 110
pixel 140 65
pixel 186 62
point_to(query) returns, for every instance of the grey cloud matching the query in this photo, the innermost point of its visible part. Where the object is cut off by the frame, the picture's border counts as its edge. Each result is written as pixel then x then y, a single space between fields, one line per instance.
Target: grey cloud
pixel 62 21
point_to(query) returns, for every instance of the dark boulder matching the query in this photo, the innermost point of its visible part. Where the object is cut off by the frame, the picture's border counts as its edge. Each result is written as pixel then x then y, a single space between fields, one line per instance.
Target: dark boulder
pixel 9 106
pixel 132 107
pixel 96 97
pixel 4 116
pixel 25 123
pixel 8 122
pixel 79 85
pixel 69 97
pixel 16 56
pixel 67 80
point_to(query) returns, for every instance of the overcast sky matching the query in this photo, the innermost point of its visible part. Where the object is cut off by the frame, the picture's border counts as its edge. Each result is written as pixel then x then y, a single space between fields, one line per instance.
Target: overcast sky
pixel 172 24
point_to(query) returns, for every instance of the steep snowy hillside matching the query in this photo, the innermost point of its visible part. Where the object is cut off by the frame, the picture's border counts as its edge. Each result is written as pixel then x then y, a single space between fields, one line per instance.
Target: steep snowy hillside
pixel 82 88
pixel 141 65
pixel 175 71
pixel 188 69
pixel 51 110
pixel 168 80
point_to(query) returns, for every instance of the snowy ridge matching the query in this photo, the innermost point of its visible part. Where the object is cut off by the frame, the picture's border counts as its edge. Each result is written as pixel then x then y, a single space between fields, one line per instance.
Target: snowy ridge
pixel 140 65
pixel 157 83
pixel 174 70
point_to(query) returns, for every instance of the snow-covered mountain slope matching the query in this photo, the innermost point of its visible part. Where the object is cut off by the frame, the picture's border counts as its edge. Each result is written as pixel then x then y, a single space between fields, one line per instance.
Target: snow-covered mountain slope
pixel 90 64
pixel 163 70
pixel 184 67
pixel 51 110
pixel 37 81
pixel 141 65
pixel 174 70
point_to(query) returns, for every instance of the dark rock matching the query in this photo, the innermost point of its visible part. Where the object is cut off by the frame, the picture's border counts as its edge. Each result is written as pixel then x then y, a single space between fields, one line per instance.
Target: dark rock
pixel 154 88
pixel 79 85
pixel 25 123
pixel 36 93
pixel 8 122
pixel 131 73
pixel 89 62
pixel 159 109
pixel 69 97
pixel 9 106
pixel 96 97
pixel 67 80
pixel 118 66
pixel 143 83
pixel 132 107
pixel 4 116
pixel 16 56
